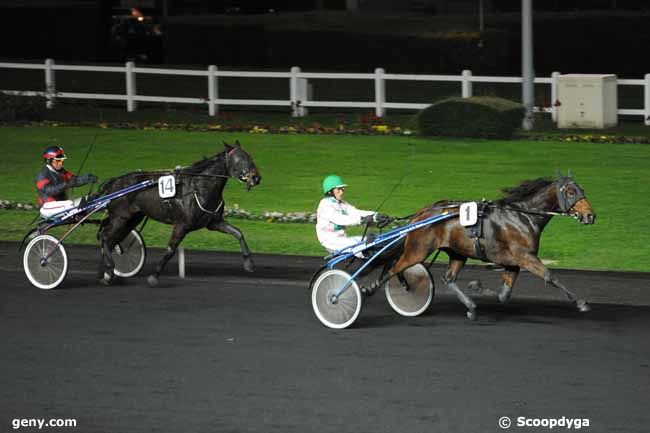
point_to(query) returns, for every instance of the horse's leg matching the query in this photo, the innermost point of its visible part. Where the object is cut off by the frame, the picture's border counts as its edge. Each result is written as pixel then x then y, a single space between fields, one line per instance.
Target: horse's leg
pixel 536 267
pixel 178 233
pixel 414 252
pixel 456 263
pixel 109 235
pixel 224 227
pixel 508 276
pixel 106 271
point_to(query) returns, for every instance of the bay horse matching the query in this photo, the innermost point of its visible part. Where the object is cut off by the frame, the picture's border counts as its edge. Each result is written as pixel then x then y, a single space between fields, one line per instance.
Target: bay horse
pixel 509 236
pixel 198 203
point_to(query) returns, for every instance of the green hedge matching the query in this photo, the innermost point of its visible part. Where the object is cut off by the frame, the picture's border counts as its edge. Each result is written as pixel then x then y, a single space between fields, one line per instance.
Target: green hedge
pixel 479 116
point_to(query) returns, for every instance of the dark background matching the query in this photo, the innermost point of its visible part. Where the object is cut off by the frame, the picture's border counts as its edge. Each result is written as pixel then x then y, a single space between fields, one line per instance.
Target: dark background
pixel 438 37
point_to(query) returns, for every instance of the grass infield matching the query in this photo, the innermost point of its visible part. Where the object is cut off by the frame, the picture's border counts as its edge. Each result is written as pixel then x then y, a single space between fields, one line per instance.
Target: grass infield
pixel 404 173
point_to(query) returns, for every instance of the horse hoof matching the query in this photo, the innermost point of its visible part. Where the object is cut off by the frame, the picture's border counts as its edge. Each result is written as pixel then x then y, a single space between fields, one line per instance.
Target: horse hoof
pixel 475 287
pixel 471 315
pixel 249 266
pixel 152 280
pixel 106 279
pixel 582 305
pixel 504 296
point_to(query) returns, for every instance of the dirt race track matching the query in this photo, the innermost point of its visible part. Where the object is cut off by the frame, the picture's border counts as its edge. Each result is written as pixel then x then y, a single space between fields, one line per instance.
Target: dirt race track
pixel 226 351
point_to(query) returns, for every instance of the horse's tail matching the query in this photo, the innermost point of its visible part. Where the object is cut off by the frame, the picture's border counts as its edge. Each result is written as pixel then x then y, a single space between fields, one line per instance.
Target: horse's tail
pixel 108 185
pixel 392 254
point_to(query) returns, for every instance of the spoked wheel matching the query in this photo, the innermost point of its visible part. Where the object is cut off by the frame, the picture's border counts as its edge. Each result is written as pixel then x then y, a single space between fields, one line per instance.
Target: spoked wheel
pixel 45 262
pixel 129 255
pixel 336 312
pixel 414 297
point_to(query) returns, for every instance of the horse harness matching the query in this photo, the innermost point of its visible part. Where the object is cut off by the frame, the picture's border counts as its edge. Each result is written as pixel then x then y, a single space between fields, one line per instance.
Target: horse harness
pixel 167 202
pixel 475 232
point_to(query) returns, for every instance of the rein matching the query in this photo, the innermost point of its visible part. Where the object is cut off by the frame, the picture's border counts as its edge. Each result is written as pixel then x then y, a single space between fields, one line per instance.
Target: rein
pixel 490 205
pixel 529 211
pixel 204 175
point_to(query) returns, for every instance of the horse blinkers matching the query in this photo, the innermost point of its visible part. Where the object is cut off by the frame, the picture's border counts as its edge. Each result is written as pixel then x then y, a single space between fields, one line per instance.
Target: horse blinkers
pixel 572 200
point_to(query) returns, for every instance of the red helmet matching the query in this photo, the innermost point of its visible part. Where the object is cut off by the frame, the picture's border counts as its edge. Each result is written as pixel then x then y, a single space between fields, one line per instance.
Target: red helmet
pixel 54 152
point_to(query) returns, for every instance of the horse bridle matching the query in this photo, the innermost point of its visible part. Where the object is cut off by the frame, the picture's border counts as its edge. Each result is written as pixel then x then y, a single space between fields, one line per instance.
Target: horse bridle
pixel 565 202
pixel 241 176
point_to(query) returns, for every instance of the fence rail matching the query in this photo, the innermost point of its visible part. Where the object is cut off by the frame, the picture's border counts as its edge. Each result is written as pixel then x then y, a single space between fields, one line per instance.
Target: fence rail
pixel 299 94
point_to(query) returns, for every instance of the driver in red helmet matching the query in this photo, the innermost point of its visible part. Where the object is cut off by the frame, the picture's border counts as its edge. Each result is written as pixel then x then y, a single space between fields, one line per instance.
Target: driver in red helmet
pixel 53 181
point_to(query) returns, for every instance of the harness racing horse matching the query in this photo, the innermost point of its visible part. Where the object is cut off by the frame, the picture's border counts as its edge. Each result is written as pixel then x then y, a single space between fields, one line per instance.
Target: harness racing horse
pixel 511 230
pixel 197 203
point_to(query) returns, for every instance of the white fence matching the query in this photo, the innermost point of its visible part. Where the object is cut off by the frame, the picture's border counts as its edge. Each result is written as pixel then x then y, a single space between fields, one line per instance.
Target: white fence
pixel 298 90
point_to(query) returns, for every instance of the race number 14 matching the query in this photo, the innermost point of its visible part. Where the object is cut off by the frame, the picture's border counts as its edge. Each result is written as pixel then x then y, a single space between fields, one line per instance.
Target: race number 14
pixel 468 213
pixel 166 186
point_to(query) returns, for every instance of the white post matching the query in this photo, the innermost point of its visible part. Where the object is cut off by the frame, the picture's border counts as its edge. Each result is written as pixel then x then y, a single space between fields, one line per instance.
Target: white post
pixel 380 92
pixel 527 67
pixel 181 262
pixel 646 99
pixel 303 96
pixel 50 83
pixel 213 91
pixel 467 84
pixel 293 92
pixel 130 87
pixel 554 98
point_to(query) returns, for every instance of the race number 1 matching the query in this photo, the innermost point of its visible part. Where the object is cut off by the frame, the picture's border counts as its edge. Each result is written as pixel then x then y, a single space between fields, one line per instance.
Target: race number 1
pixel 166 186
pixel 468 213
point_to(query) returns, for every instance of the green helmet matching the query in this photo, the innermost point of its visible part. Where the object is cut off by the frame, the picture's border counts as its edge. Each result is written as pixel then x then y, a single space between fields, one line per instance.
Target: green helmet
pixel 332 181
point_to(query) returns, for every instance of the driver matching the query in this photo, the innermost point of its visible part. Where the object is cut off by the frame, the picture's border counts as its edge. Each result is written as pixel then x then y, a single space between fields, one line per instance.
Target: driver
pixel 334 214
pixel 53 181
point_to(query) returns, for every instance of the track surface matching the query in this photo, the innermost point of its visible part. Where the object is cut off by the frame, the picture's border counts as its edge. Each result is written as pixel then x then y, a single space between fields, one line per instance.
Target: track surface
pixel 226 351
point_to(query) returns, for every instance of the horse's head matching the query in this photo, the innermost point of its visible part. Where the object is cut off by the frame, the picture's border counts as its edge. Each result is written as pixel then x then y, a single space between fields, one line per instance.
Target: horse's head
pixel 240 165
pixel 571 199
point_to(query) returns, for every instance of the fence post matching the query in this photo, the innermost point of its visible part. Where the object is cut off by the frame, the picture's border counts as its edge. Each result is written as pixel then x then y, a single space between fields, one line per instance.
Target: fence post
pixel 380 92
pixel 646 99
pixel 293 92
pixel 554 97
pixel 213 91
pixel 181 262
pixel 467 84
pixel 303 96
pixel 130 87
pixel 50 83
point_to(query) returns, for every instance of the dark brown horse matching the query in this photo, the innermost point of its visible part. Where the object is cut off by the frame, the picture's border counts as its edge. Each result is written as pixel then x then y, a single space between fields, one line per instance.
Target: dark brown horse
pixel 198 203
pixel 507 233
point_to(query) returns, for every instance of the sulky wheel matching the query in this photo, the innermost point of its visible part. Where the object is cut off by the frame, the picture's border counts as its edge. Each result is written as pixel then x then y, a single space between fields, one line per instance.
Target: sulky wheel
pixel 45 262
pixel 414 297
pixel 129 255
pixel 337 313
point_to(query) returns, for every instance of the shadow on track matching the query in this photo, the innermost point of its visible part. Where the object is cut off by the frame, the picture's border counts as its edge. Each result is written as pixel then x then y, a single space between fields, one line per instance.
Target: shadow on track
pixel 524 311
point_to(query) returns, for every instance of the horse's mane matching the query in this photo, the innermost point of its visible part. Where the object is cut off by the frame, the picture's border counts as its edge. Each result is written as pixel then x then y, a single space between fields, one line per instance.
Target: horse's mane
pixel 524 190
pixel 204 163
pixel 196 167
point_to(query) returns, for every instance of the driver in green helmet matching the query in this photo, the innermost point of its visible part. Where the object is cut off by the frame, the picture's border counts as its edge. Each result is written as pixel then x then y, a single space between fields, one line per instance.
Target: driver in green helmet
pixel 334 214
